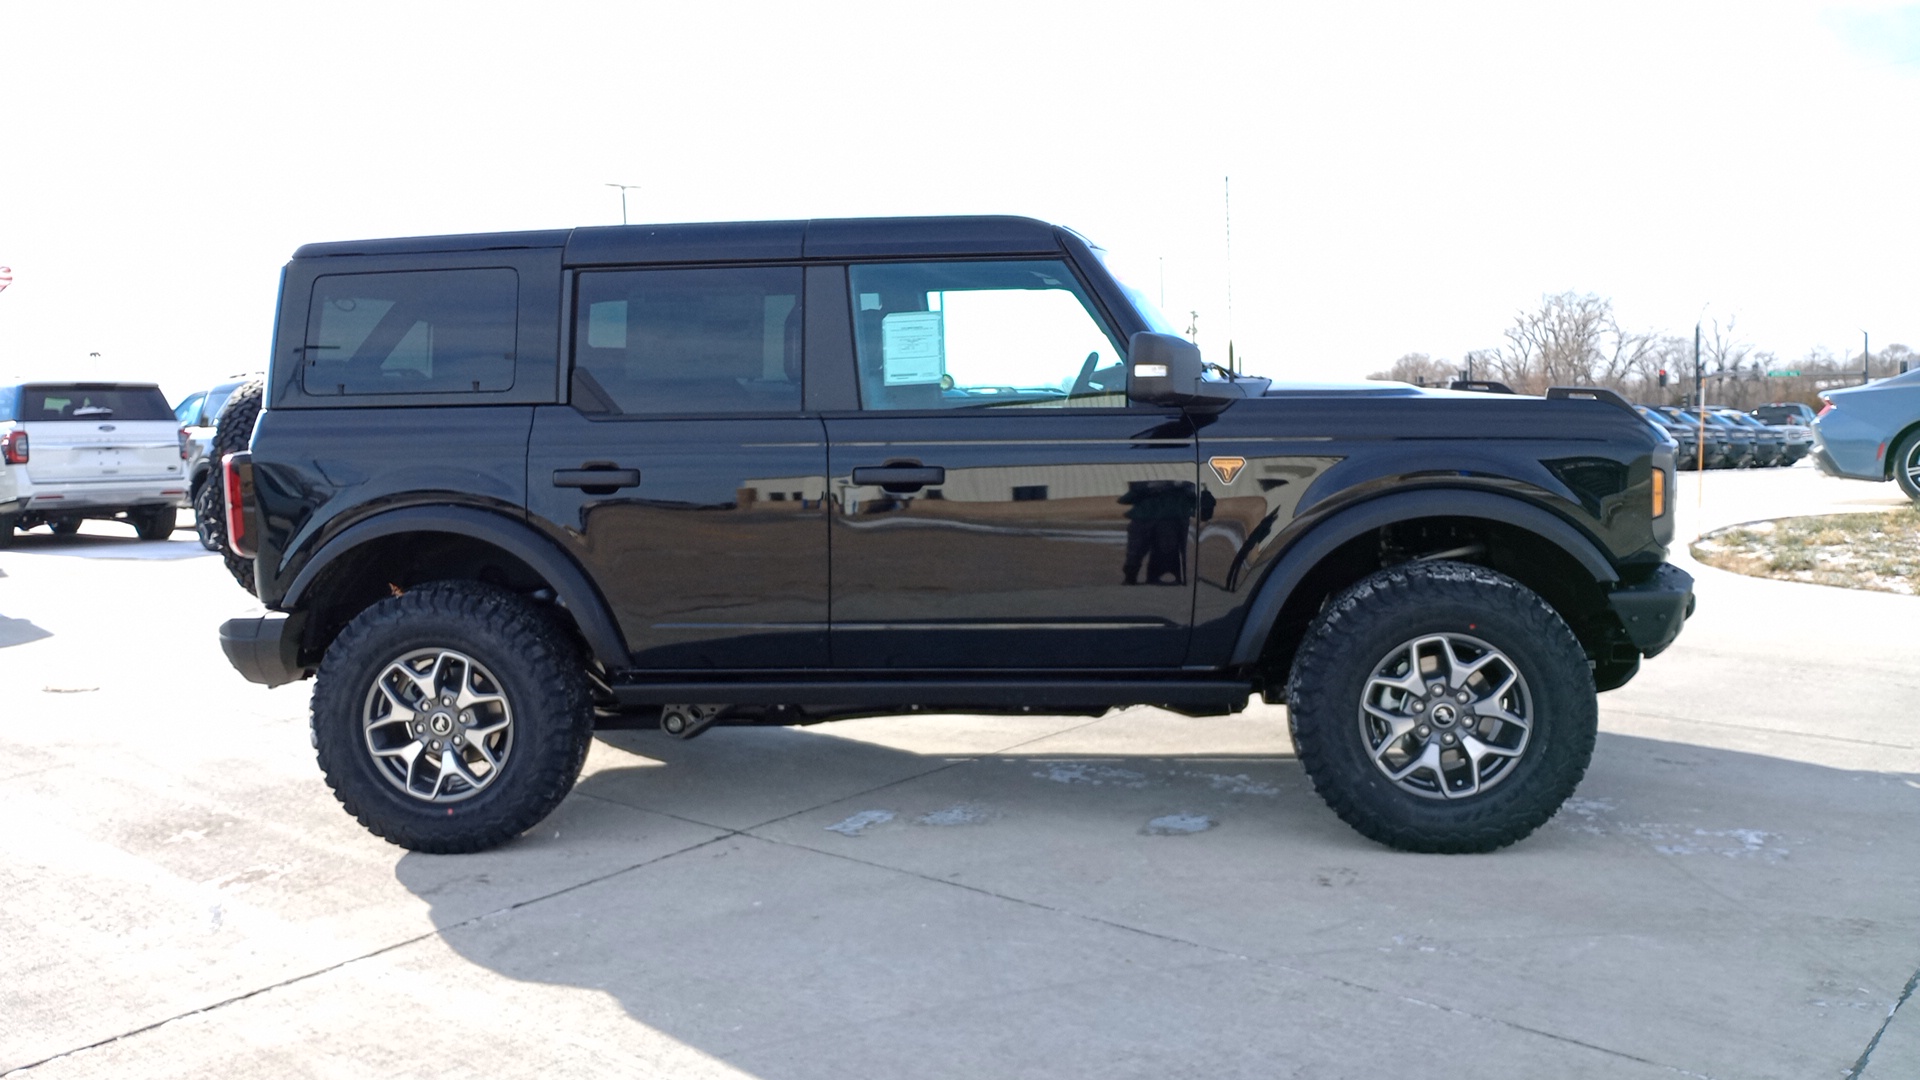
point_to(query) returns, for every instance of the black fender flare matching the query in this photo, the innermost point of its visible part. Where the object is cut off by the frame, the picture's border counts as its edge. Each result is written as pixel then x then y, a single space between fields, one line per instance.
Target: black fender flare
pixel 1343 525
pixel 576 593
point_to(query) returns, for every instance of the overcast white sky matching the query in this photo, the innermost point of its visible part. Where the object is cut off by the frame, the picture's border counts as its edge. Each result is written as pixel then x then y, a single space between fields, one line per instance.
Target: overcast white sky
pixel 1405 177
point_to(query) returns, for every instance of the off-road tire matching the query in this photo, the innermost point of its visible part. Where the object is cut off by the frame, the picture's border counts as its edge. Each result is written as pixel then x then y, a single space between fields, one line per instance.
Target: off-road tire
pixel 1362 627
pixel 539 671
pixel 233 432
pixel 156 524
pixel 206 503
pixel 1906 465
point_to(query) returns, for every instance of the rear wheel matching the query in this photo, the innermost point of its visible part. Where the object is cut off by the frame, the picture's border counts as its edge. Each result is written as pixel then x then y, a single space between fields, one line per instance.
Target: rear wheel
pixel 1442 707
pixel 451 718
pixel 1906 465
pixel 153 524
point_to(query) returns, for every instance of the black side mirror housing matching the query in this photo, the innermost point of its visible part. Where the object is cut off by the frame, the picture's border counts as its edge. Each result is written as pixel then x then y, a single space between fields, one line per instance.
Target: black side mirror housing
pixel 1167 370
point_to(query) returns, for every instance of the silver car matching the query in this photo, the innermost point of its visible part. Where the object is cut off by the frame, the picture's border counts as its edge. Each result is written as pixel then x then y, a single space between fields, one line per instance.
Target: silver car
pixel 1872 432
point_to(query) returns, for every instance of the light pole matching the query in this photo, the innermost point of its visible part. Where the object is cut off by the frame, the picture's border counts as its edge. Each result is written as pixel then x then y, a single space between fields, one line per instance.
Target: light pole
pixel 623 198
pixel 1866 359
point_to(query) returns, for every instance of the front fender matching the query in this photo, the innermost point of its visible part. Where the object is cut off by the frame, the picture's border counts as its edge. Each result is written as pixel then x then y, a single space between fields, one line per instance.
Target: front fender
pixel 1359 519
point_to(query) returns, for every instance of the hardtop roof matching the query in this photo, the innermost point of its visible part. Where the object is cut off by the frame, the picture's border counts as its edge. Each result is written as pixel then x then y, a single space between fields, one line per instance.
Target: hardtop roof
pixel 737 241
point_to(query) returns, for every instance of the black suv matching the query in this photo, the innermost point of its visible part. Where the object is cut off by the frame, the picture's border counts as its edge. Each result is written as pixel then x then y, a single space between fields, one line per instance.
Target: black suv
pixel 509 487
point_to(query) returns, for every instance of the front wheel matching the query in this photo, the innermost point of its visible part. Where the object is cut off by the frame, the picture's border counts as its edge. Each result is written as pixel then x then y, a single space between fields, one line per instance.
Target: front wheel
pixel 451 718
pixel 1906 465
pixel 1442 707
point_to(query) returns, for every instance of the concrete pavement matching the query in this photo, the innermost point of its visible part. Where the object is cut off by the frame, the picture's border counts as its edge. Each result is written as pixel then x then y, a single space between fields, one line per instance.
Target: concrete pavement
pixel 1732 893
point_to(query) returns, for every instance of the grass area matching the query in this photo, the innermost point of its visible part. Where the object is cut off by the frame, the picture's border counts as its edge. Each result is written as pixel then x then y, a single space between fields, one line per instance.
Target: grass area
pixel 1879 551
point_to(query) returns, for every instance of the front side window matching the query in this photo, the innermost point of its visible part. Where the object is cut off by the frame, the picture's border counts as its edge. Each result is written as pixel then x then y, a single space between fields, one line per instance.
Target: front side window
pixel 688 342
pixel 980 335
pixel 411 332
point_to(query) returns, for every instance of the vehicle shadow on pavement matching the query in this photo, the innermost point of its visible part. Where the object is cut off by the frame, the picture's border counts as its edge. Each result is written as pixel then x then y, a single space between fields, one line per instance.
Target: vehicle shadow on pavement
pixel 800 905
pixel 182 545
pixel 19 632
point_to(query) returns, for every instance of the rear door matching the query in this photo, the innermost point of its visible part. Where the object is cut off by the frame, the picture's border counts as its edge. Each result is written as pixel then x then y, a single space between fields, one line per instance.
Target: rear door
pixel 685 474
pixel 997 502
pixel 99 432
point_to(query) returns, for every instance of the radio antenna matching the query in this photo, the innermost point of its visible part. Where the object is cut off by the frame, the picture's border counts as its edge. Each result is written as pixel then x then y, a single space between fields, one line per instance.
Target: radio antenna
pixel 1227 202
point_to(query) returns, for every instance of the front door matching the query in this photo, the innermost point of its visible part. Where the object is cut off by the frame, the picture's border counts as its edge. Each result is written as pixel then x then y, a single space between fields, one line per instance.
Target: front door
pixel 997 503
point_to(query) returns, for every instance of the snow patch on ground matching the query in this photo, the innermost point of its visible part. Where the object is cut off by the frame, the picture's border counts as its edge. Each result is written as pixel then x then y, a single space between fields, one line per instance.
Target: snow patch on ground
pixel 861 822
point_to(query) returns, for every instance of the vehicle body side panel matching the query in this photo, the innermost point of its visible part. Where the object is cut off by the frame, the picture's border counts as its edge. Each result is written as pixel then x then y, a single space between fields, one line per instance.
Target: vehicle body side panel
pixel 354 463
pixel 1854 438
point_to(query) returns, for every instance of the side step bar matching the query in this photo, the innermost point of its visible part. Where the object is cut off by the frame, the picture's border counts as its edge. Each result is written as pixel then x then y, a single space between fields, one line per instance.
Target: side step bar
pixel 998 693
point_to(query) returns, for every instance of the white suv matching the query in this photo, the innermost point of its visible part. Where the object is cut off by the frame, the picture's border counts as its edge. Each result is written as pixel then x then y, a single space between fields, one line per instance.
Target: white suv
pixel 76 450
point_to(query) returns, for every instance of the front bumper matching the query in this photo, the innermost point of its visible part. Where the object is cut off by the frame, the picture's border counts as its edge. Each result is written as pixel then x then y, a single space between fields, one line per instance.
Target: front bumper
pixel 1653 611
pixel 265 649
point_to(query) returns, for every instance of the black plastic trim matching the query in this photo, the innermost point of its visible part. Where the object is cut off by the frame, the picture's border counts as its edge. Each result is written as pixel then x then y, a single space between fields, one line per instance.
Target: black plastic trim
pixel 1344 525
pixel 577 594
pixel 989 691
pixel 1654 610
pixel 265 649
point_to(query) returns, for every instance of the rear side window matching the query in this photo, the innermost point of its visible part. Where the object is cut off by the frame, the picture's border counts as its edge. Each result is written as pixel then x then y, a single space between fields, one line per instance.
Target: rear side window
pixel 411 332
pixel 80 401
pixel 688 342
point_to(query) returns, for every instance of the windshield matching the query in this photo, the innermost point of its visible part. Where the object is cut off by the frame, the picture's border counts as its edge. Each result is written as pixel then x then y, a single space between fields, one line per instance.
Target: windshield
pixel 1121 269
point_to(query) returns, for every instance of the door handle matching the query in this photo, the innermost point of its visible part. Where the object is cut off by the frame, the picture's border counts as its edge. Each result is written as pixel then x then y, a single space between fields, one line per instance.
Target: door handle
pixel 597 479
pixel 900 479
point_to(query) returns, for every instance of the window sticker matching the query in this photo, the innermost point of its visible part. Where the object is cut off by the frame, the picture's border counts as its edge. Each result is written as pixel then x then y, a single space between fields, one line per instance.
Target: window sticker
pixel 607 325
pixel 912 348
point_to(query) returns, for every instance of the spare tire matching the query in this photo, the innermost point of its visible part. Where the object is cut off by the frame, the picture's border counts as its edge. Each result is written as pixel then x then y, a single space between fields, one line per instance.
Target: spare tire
pixel 233 431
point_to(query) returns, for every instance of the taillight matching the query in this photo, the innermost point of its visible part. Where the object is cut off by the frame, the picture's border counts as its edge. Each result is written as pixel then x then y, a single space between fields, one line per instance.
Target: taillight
pixel 183 444
pixel 1826 406
pixel 15 448
pixel 237 539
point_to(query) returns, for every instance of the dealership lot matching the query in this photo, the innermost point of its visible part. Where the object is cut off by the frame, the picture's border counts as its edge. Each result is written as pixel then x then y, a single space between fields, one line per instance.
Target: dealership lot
pixel 1734 891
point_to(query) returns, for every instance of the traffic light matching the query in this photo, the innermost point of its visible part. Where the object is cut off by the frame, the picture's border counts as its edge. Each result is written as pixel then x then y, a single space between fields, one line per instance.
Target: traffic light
pixel 1663 376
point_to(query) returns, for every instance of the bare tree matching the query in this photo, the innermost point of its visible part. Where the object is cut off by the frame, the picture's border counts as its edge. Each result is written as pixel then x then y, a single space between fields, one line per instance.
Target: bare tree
pixel 1419 368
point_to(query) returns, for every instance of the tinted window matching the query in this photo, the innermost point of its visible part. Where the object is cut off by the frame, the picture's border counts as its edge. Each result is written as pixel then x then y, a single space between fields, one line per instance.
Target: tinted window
pixel 217 397
pixel 688 341
pixel 980 335
pixel 81 401
pixel 415 332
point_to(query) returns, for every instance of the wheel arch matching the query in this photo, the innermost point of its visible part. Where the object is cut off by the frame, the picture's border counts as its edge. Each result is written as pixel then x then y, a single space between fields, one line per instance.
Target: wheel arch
pixel 1534 545
pixel 410 546
pixel 1893 445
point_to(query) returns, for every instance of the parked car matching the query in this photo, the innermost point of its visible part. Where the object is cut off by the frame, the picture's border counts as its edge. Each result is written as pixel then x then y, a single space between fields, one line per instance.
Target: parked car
pixel 1686 438
pixel 1727 447
pixel 72 451
pixel 1796 439
pixel 1786 412
pixel 1872 432
pixel 506 487
pixel 1769 443
pixel 197 414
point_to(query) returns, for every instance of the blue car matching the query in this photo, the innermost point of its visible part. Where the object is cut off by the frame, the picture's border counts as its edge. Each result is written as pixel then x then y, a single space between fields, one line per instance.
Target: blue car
pixel 1872 432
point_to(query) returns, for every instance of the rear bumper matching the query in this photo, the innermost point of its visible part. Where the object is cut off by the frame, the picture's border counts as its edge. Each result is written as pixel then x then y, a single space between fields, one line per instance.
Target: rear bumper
pixel 265 649
pixel 1654 610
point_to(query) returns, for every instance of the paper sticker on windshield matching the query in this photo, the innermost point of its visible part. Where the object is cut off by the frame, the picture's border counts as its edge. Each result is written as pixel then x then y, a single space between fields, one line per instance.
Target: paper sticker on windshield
pixel 912 348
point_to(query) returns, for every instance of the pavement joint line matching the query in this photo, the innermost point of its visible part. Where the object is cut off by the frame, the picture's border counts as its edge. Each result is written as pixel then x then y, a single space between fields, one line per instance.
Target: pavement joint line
pixel 1227 954
pixel 1763 730
pixel 1860 1065
pixel 436 932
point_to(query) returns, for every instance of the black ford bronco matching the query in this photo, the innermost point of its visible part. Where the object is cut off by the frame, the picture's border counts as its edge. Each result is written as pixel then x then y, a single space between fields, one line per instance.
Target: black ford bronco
pixel 505 488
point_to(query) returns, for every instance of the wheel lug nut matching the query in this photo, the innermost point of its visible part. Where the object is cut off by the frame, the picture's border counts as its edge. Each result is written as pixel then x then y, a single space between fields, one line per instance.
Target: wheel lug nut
pixel 1464 697
pixel 436 744
pixel 1436 689
pixel 1448 739
pixel 1419 706
pixel 1425 731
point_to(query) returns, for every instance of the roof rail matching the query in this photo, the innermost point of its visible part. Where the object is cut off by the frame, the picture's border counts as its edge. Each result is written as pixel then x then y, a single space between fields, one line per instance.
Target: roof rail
pixel 1484 386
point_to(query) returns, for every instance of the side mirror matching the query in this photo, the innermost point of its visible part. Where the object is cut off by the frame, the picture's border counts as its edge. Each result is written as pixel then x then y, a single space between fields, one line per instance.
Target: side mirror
pixel 1167 370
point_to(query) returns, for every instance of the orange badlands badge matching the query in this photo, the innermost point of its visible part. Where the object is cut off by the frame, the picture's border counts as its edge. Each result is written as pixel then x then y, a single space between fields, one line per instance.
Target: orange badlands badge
pixel 1226 468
